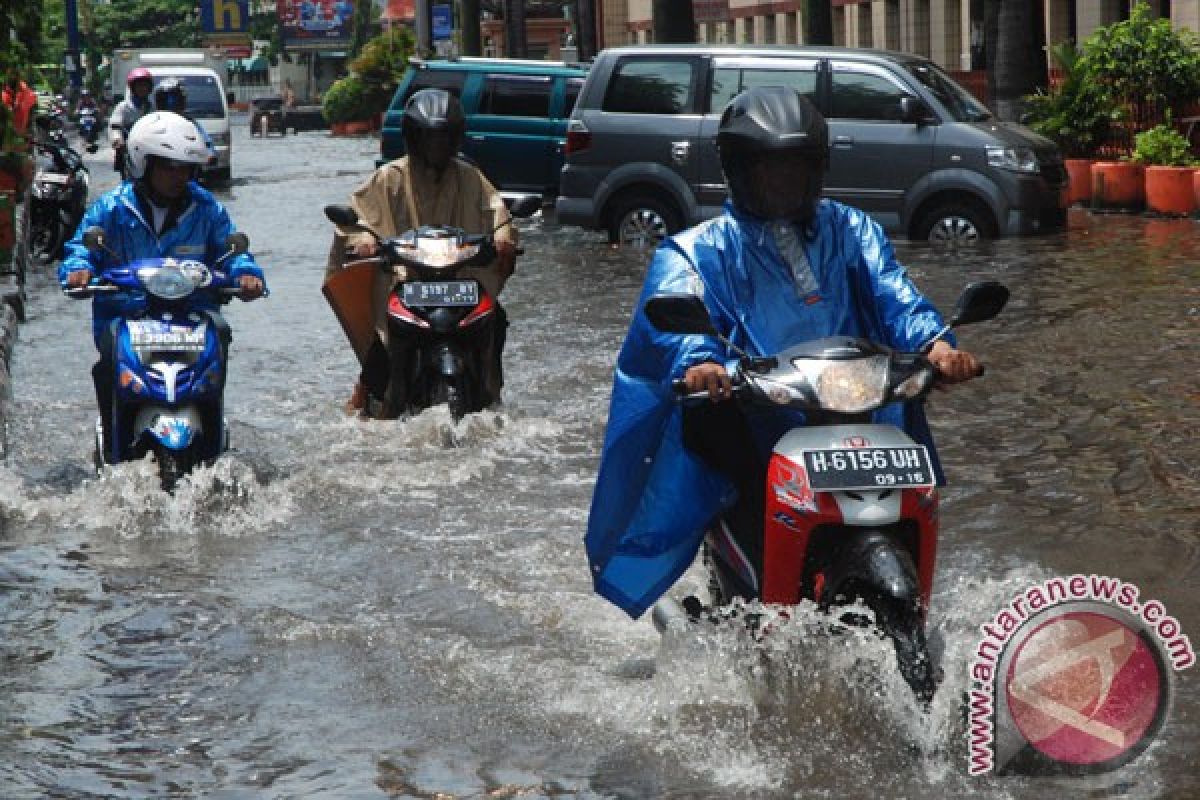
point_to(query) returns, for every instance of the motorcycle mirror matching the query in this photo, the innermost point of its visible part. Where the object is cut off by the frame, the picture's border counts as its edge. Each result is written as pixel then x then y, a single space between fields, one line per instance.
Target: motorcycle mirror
pixel 344 216
pixel 93 238
pixel 980 301
pixel 679 313
pixel 237 242
pixel 524 206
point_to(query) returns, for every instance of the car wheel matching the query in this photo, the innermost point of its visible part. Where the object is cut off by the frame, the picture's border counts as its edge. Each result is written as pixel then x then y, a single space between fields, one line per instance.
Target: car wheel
pixel 641 222
pixel 956 225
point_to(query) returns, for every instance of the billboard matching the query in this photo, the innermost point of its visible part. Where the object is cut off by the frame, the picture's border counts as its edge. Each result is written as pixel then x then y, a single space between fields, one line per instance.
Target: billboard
pixel 226 26
pixel 315 23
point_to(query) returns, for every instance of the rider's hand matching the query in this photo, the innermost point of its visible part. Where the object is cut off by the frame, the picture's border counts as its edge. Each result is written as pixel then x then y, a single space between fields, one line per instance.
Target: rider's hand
pixel 366 248
pixel 953 366
pixel 709 377
pixel 506 257
pixel 78 278
pixel 251 287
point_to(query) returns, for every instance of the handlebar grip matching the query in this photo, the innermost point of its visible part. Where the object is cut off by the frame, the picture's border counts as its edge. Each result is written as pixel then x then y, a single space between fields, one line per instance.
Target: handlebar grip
pixel 84 292
pixel 679 386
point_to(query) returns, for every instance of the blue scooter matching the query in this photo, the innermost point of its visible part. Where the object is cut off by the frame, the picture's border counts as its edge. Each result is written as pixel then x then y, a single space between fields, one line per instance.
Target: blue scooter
pixel 169 361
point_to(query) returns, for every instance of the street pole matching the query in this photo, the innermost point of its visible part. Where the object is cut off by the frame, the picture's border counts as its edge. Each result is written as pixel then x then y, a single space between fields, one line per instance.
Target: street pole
pixel 424 29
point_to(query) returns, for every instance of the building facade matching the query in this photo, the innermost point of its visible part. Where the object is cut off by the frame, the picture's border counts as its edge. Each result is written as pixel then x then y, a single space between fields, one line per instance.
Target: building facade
pixel 948 32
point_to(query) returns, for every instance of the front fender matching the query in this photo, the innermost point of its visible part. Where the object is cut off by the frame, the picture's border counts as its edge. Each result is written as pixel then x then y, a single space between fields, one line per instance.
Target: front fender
pixel 173 428
pixel 872 563
pixel 966 181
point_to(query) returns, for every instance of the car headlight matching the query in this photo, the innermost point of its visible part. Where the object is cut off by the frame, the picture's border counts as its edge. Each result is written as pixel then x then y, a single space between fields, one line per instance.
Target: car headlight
pixel 1014 159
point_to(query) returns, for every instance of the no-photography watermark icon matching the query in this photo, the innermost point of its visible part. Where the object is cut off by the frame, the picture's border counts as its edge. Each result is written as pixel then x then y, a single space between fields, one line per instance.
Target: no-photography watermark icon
pixel 1073 676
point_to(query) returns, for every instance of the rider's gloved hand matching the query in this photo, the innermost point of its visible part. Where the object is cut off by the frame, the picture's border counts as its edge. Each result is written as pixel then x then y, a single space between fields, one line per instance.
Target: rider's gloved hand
pixel 953 366
pixel 251 287
pixel 709 377
pixel 78 278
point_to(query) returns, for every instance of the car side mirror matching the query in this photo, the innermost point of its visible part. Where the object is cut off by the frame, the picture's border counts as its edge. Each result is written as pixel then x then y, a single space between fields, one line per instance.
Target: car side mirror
pixel 93 239
pixel 978 302
pixel 913 110
pixel 679 313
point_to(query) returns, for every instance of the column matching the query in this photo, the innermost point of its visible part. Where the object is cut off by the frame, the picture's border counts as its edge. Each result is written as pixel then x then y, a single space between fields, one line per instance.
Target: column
pixel 1186 14
pixel 1094 14
pixel 945 33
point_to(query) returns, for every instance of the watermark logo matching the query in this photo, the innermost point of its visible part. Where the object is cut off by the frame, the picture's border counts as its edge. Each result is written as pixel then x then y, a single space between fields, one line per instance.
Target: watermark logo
pixel 1072 677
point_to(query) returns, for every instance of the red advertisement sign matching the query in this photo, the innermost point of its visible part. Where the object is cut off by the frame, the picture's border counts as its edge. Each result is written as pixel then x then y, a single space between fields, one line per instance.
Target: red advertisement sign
pixel 315 23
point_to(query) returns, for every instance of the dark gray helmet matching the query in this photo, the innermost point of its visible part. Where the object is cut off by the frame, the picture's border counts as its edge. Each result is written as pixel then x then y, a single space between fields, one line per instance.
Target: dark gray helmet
pixel 774 135
pixel 434 127
pixel 169 95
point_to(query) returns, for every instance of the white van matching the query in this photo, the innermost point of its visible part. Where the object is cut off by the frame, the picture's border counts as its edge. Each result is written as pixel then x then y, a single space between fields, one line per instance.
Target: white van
pixel 201 73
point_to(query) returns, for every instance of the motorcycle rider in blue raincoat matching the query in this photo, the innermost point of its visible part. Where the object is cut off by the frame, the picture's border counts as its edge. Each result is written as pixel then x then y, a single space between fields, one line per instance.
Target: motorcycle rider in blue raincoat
pixel 162 212
pixel 780 266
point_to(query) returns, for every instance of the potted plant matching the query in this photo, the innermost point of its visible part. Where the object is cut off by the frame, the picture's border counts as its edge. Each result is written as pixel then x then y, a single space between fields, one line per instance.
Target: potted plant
pixel 1169 170
pixel 1077 116
pixel 344 105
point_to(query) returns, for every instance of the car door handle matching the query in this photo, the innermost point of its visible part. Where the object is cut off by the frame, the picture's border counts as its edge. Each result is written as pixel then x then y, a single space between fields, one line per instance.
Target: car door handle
pixel 679 152
pixel 843 141
pixel 475 137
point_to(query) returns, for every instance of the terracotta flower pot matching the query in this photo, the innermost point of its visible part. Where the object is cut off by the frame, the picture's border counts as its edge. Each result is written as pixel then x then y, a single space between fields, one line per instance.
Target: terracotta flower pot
pixel 1079 180
pixel 1118 185
pixel 1196 187
pixel 357 127
pixel 1170 190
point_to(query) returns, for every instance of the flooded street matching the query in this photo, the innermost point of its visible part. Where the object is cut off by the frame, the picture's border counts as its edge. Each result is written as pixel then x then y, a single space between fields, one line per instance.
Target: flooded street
pixel 403 609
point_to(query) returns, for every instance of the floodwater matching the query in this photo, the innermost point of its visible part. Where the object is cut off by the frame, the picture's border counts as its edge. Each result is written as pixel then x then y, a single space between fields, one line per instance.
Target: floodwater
pixel 352 609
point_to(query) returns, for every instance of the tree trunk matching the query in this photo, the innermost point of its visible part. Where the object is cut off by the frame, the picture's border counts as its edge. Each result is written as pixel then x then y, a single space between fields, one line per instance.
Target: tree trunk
pixel 1019 66
pixel 674 22
pixel 472 44
pixel 514 29
pixel 585 29
pixel 818 18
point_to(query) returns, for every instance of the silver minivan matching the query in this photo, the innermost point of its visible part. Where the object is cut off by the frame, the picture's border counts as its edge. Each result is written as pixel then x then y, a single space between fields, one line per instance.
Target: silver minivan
pixel 907 144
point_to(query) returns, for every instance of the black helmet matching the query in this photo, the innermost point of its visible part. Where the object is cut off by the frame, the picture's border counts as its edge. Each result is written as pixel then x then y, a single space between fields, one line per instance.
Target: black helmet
pixel 774 147
pixel 170 96
pixel 434 127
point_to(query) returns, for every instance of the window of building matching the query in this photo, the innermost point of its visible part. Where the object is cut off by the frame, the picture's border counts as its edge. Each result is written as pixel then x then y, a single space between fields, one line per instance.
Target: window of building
pixel 862 96
pixel 516 96
pixel 729 81
pixel 769 29
pixel 652 86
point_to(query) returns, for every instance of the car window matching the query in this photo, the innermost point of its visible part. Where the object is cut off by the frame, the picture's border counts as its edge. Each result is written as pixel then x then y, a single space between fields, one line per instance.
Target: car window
pixel 574 86
pixel 204 99
pixel 727 82
pixel 516 95
pixel 858 95
pixel 450 80
pixel 644 86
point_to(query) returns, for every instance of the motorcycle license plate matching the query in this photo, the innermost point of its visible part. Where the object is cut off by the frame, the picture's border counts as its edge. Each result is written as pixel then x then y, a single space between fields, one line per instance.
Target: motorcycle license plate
pixel 868 468
pixel 441 293
pixel 147 335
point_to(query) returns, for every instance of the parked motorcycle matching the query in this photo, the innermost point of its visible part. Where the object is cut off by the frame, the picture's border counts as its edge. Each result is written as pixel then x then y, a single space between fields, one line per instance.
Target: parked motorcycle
pixel 445 324
pixel 851 506
pixel 59 198
pixel 89 128
pixel 169 362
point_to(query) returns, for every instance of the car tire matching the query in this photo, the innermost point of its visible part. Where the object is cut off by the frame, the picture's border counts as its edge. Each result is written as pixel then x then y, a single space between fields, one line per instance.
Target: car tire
pixel 642 221
pixel 956 224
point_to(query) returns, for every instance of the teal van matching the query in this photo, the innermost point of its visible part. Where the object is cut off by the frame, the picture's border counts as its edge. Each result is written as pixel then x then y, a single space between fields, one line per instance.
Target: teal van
pixel 516 116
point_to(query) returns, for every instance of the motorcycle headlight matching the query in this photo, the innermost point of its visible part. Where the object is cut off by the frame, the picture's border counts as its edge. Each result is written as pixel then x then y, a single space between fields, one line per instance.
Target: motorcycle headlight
pixel 169 283
pixel 847 387
pixel 1013 159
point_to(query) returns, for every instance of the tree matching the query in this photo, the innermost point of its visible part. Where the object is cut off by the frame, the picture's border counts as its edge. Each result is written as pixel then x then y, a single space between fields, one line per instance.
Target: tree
pixel 146 23
pixel 1020 66
pixel 514 29
pixel 818 19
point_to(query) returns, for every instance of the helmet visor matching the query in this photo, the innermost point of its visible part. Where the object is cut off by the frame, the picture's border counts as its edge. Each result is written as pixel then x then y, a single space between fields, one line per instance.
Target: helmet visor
pixel 784 184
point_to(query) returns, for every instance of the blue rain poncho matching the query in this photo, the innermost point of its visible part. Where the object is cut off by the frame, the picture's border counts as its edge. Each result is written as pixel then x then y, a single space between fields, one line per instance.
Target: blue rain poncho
pixel 654 498
pixel 199 233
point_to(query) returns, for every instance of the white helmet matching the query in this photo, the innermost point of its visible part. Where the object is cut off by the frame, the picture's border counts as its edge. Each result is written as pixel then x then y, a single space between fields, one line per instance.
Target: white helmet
pixel 166 135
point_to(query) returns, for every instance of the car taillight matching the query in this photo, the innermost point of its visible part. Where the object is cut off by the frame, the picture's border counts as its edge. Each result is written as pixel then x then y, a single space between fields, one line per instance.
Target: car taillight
pixel 579 138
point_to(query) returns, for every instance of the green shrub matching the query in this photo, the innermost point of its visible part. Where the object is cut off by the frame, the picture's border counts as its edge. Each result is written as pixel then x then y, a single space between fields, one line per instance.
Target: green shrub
pixel 1078 114
pixel 345 100
pixel 1163 146
pixel 381 65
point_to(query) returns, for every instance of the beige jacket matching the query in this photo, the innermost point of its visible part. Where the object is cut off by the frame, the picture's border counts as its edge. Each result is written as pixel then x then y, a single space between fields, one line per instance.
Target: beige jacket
pixel 400 196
